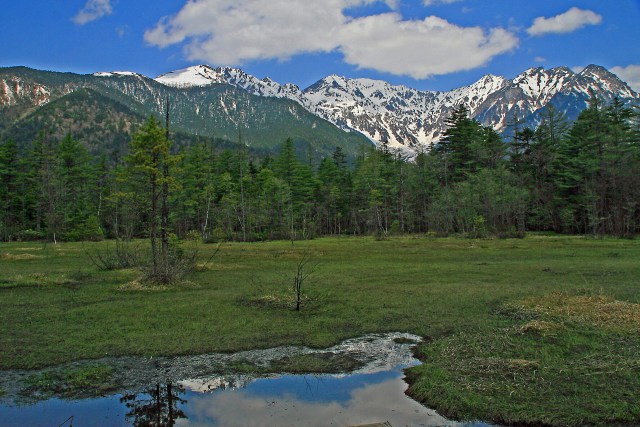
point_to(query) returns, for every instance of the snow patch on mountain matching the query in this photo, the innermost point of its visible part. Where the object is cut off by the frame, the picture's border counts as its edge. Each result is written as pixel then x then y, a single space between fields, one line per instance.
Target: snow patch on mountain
pixel 403 117
pixel 541 85
pixel 409 119
pixel 116 73
pixel 204 75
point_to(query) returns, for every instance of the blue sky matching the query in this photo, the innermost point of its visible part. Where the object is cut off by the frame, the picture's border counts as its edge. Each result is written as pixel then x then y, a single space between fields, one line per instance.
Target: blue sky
pixel 425 44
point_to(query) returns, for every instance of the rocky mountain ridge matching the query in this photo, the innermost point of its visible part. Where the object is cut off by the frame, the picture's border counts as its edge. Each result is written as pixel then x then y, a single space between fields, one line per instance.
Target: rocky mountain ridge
pixel 410 119
pixel 222 100
pixel 216 111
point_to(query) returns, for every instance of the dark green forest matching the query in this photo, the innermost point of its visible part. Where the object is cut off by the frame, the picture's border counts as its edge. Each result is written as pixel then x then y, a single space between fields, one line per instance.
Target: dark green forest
pixel 581 177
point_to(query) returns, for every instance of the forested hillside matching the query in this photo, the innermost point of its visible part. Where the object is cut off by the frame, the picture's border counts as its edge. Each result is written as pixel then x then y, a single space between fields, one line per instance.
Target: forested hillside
pixel 579 177
pixel 101 110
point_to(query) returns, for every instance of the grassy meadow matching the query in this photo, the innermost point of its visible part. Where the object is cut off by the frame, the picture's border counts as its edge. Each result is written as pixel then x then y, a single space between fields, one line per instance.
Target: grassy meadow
pixel 541 330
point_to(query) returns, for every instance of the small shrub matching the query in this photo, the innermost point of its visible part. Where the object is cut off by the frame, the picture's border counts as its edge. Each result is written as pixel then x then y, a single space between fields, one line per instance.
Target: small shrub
pixel 124 255
pixel 381 235
pixel 512 233
pixel 31 235
pixel 479 228
pixel 87 230
pixel 179 263
pixel 395 227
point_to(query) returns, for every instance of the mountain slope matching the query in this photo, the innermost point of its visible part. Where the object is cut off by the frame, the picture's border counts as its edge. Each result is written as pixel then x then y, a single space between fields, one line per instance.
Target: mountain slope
pixel 216 110
pixel 410 119
pixel 224 102
pixel 102 123
pixel 414 119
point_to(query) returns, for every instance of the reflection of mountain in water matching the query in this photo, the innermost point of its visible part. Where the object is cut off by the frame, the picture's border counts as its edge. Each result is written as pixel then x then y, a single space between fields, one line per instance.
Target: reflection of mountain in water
pixel 157 406
pixel 373 393
pixel 227 382
pixel 315 401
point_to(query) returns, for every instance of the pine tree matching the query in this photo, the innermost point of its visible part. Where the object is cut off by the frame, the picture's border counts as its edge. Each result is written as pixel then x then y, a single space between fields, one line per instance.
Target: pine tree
pixel 9 190
pixel 460 145
pixel 592 171
pixel 48 211
pixel 76 179
pixel 149 153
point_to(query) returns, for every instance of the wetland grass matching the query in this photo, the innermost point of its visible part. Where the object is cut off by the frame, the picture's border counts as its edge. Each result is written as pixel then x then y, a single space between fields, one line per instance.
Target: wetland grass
pixel 540 330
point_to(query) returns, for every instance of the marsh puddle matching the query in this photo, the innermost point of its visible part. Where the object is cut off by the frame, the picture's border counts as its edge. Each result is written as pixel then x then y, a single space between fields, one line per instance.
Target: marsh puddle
pixel 180 396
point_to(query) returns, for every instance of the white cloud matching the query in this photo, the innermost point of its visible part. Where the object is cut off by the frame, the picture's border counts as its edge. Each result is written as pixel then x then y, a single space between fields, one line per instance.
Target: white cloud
pixel 567 22
pixel 630 74
pixel 232 32
pixel 94 9
pixel 420 48
pixel 368 404
pixel 540 59
pixel 122 30
pixel 434 2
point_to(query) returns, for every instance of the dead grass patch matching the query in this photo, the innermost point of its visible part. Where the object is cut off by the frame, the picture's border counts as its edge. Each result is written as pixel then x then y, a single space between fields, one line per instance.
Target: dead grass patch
pixel 595 310
pixel 495 366
pixel 540 327
pixel 139 285
pixel 200 267
pixel 18 257
pixel 36 279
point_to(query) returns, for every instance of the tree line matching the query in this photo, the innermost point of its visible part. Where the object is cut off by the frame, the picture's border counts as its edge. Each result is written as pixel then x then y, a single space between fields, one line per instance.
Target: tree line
pixel 580 177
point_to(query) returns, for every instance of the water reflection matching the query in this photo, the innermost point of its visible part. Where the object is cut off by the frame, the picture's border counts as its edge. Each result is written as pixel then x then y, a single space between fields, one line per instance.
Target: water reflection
pixel 158 406
pixel 186 393
pixel 295 400
pixel 289 400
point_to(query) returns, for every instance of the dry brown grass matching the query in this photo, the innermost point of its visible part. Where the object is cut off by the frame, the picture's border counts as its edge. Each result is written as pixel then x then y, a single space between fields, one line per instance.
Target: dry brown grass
pixel 540 327
pixel 18 257
pixel 594 310
pixel 139 286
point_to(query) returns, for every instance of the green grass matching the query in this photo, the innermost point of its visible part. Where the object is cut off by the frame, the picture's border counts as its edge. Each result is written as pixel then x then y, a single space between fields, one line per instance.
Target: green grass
pixel 546 369
pixel 87 381
pixel 315 363
pixel 492 352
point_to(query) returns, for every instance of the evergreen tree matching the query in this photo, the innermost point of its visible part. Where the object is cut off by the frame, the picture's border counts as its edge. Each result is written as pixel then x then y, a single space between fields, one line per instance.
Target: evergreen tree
pixel 149 153
pixel 76 185
pixel 196 174
pixel 9 196
pixel 591 172
pixel 48 211
pixel 422 188
pixel 460 145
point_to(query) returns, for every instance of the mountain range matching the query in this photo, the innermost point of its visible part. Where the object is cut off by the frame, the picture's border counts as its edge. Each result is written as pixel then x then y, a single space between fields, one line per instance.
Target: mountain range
pixel 229 104
pixel 409 118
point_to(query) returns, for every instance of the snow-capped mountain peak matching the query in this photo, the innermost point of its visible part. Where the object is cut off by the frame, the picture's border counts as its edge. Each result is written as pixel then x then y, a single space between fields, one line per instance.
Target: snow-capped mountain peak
pixel 596 70
pixel 116 73
pixel 541 85
pixel 411 119
pixel 197 75
pixel 205 75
